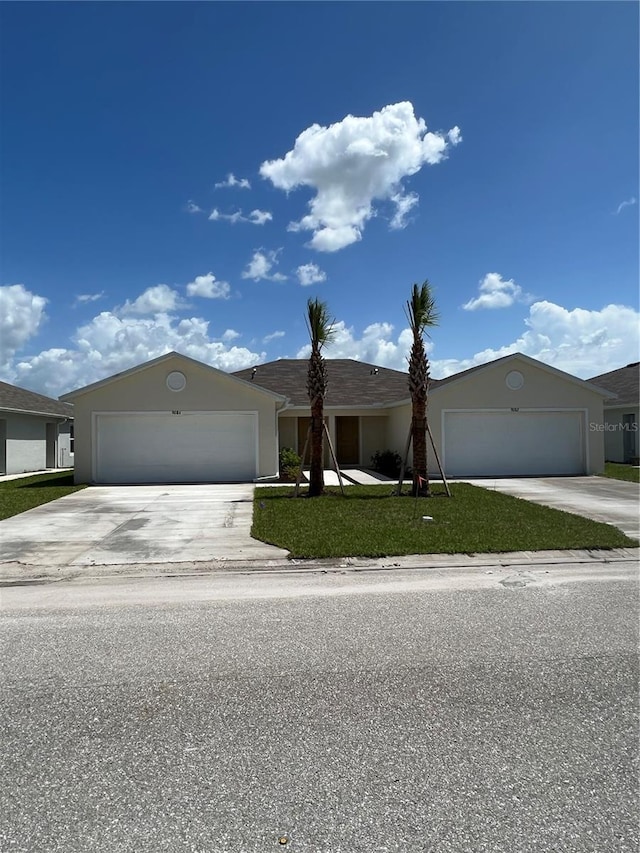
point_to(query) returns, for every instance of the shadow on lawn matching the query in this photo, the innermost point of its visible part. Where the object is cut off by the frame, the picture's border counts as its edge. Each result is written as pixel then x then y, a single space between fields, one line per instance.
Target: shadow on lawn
pixel 351 496
pixel 53 482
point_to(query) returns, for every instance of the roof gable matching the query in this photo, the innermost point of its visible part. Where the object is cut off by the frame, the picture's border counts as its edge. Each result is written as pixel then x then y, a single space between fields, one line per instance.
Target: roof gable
pixel 15 399
pixel 515 357
pixel 170 356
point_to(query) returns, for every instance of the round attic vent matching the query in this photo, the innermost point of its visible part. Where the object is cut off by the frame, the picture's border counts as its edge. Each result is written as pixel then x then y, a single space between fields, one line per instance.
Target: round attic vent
pixel 176 381
pixel 515 380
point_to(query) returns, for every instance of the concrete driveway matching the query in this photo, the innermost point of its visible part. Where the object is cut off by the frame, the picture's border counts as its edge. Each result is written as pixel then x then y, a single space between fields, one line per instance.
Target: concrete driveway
pixel 123 525
pixel 600 498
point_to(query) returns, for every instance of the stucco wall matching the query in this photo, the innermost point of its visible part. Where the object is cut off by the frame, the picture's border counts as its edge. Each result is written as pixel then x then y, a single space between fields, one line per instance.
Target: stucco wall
pixel 146 391
pixel 542 389
pixel 487 389
pixel 26 443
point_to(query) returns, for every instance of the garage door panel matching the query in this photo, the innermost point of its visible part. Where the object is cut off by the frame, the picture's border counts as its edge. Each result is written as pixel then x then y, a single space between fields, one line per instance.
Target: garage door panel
pixel 163 448
pixel 486 444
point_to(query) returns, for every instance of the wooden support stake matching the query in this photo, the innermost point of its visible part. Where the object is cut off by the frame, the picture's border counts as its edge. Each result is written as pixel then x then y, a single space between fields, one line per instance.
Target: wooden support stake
pixel 333 456
pixel 433 444
pixel 304 454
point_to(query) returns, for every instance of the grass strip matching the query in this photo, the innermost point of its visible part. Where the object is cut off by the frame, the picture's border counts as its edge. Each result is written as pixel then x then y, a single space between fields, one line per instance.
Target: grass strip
pixel 25 493
pixel 370 522
pixel 621 472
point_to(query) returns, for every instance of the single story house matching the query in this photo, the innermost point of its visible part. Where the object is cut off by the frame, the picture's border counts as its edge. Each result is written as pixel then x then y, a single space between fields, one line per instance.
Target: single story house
pixel 620 424
pixel 36 432
pixel 174 419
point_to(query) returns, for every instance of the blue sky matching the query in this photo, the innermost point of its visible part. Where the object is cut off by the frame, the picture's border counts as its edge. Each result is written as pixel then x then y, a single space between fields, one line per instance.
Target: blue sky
pixel 489 147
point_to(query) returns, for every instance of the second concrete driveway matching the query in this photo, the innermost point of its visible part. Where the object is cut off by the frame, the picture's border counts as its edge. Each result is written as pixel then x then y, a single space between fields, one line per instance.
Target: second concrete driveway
pixel 125 525
pixel 600 498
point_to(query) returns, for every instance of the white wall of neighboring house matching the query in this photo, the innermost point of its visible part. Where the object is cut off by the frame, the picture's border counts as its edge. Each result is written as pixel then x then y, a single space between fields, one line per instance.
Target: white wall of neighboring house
pixel 32 442
pixel 621 431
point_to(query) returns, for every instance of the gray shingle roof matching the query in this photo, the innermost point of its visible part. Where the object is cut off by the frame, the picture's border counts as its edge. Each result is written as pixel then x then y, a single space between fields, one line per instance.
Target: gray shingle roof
pixel 624 382
pixel 17 399
pixel 350 383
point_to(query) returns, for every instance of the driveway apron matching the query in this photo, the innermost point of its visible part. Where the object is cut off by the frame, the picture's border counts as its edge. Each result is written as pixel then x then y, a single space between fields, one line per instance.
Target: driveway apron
pixel 600 498
pixel 123 525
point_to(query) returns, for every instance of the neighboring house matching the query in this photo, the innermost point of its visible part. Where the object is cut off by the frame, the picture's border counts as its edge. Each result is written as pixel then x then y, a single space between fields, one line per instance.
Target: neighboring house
pixel 36 432
pixel 175 419
pixel 620 424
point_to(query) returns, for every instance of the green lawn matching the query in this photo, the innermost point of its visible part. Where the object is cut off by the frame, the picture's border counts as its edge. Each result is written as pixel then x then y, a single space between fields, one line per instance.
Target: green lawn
pixel 370 522
pixel 621 472
pixel 16 496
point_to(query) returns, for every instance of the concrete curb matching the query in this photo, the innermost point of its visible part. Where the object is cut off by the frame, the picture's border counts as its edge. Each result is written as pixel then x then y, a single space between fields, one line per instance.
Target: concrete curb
pixel 15 574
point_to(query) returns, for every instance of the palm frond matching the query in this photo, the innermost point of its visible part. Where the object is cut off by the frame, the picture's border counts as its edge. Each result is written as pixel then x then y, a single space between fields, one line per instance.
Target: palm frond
pixel 421 309
pixel 320 324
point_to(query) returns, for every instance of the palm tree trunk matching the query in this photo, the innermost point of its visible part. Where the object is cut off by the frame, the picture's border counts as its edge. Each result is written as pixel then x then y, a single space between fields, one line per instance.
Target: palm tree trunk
pixel 316 469
pixel 419 434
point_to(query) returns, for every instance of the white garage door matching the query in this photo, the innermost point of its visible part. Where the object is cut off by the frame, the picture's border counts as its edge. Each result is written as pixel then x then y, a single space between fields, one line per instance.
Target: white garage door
pixel 192 447
pixel 505 443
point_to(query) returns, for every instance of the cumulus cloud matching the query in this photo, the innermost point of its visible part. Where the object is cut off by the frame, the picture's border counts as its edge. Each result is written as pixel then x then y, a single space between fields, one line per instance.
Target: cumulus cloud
pixel 378 345
pixel 153 300
pixel 111 343
pixel 580 341
pixel 628 203
pixel 84 298
pixel 230 335
pixel 353 163
pixel 496 292
pixel 260 266
pixel 255 217
pixel 272 337
pixel 192 207
pixel 208 287
pixel 310 274
pixel 21 315
pixel 232 181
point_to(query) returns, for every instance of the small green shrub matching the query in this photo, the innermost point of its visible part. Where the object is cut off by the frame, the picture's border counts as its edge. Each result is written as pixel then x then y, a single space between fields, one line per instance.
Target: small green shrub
pixel 289 464
pixel 386 462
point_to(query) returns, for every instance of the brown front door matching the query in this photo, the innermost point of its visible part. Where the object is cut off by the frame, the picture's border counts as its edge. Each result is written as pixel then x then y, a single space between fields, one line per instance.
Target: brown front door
pixel 348 440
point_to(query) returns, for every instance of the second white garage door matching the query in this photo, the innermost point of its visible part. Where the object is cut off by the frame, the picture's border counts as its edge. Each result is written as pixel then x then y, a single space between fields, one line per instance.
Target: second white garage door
pixel 504 443
pixel 192 447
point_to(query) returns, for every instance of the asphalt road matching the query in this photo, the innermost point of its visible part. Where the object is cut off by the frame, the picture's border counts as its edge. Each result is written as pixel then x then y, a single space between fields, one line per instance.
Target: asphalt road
pixel 373 711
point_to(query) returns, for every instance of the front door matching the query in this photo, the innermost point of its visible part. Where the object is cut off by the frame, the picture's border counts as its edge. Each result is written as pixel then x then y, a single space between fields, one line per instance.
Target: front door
pixel 51 442
pixel 348 440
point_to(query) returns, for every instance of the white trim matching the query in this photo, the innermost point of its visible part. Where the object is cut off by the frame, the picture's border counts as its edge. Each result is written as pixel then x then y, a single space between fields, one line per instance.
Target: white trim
pixel 120 413
pixel 505 410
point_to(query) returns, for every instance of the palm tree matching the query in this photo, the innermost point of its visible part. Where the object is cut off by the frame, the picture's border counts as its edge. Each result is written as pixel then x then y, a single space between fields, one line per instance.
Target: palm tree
pixel 320 326
pixel 421 313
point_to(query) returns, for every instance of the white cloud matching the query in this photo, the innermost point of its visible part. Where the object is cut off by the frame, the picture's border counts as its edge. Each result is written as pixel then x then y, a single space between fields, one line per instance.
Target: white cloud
pixel 21 315
pixel 230 335
pixel 192 207
pixel 232 181
pixel 110 344
pixel 310 274
pixel 580 341
pixel 208 287
pixel 84 298
pixel 256 217
pixel 353 163
pixel 496 292
pixel 272 337
pixel 628 203
pixel 377 345
pixel 404 206
pixel 260 266
pixel 153 300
